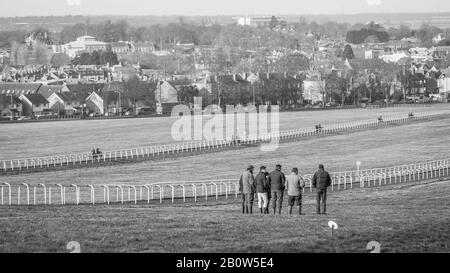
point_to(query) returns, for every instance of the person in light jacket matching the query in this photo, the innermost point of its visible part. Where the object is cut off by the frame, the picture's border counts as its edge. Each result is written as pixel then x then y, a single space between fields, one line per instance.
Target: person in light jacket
pixel 294 186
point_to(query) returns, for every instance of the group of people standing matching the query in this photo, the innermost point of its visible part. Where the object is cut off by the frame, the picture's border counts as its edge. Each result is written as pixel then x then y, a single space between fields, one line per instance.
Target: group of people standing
pixel 270 189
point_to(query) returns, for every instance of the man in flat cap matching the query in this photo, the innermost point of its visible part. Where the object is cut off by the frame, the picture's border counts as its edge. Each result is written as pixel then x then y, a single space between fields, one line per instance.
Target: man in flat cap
pixel 247 188
pixel 277 182
pixel 321 181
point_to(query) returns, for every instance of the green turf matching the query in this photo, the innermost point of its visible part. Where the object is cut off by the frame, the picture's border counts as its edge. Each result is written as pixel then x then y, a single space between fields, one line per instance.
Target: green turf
pixel 418 142
pixel 402 218
pixel 24 140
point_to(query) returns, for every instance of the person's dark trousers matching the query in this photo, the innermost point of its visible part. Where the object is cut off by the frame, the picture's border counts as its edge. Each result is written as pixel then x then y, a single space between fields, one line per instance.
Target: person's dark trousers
pixel 277 200
pixel 321 198
pixel 300 202
pixel 247 203
pixel 269 200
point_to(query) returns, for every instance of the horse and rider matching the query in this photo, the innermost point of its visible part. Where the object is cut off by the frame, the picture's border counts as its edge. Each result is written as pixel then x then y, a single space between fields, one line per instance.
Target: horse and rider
pixel 235 140
pixel 96 153
pixel 318 128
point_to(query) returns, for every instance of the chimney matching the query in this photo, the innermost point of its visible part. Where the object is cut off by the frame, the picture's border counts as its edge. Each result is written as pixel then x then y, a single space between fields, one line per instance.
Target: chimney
pixel 268 76
pixel 285 75
pixel 234 77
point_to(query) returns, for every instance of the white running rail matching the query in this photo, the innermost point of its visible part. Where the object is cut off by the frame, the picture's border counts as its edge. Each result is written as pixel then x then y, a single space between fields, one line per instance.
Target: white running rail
pixel 195 191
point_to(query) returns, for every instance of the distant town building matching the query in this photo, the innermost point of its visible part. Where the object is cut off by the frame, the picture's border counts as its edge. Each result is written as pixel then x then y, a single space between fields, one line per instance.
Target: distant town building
pixel 121 47
pixel 18 89
pixel 166 93
pixel 34 104
pixel 312 90
pixel 438 38
pixel 86 43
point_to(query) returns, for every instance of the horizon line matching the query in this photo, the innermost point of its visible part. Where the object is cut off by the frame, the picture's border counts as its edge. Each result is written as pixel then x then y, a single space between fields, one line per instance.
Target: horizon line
pixel 231 14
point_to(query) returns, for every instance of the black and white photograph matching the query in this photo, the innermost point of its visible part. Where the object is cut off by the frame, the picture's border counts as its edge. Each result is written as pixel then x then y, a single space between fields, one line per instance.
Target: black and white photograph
pixel 212 127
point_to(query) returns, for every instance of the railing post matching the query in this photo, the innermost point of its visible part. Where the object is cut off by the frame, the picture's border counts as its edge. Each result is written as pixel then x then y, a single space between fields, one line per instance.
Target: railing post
pixel 77 194
pixel 9 192
pixel 184 193
pixel 194 192
pixel 172 193
pixel 161 192
pixel 61 193
pixel 92 194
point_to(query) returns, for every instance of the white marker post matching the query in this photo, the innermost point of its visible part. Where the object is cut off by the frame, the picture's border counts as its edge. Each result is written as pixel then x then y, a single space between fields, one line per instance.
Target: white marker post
pixel 358 164
pixel 358 167
pixel 333 226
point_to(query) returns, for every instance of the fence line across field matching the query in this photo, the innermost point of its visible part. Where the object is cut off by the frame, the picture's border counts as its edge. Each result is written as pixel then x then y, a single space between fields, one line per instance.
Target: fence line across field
pixel 195 146
pixel 58 194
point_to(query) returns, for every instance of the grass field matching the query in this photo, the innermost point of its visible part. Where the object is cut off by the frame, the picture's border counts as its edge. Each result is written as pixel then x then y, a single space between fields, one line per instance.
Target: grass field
pixel 402 218
pixel 24 140
pixel 391 146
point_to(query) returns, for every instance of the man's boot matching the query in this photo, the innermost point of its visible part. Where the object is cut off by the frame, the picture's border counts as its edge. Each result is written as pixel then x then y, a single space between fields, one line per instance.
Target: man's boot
pixel 251 209
pixel 290 210
pixel 299 210
pixel 261 209
pixel 279 210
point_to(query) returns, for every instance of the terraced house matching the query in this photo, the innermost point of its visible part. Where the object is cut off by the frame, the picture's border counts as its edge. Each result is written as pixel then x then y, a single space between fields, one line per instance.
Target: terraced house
pixel 10 106
pixel 64 103
pixel 34 105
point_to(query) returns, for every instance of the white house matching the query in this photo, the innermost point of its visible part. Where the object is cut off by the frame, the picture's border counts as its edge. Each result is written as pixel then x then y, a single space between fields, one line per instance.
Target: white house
pixel 83 44
pixel 64 103
pixel 166 93
pixel 438 38
pixel 420 54
pixel 394 57
pixel 312 90
pixel 444 83
pixel 94 102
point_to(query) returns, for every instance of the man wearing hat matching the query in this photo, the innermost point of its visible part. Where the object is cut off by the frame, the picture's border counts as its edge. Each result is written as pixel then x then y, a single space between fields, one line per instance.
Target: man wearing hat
pixel 294 186
pixel 247 187
pixel 277 182
pixel 321 181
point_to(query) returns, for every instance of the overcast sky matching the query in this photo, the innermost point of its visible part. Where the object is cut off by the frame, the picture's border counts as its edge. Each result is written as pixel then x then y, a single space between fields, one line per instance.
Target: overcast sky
pixel 11 8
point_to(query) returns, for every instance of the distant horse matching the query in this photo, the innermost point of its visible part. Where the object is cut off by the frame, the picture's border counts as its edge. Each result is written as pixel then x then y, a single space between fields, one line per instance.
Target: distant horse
pixel 96 153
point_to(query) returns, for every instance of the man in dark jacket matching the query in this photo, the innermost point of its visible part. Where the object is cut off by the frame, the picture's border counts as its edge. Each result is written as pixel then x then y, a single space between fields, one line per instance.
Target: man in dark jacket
pixel 321 181
pixel 247 188
pixel 277 182
pixel 262 189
